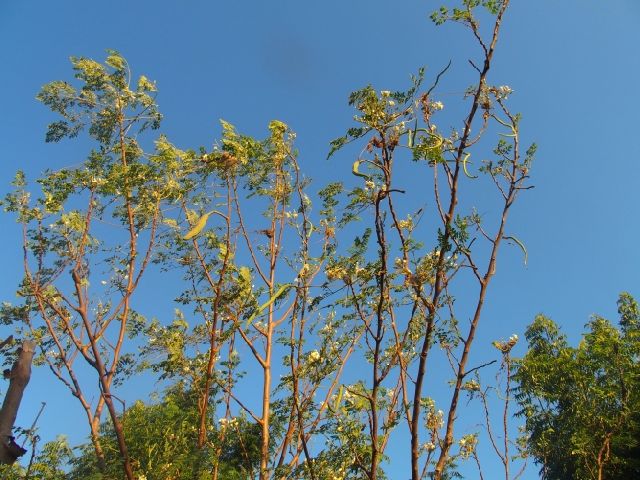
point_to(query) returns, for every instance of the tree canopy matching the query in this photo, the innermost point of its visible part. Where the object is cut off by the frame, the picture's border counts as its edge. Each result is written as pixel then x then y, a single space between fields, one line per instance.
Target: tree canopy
pixel 581 403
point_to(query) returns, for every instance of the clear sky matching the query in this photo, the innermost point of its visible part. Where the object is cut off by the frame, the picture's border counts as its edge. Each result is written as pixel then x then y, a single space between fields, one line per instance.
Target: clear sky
pixel 574 66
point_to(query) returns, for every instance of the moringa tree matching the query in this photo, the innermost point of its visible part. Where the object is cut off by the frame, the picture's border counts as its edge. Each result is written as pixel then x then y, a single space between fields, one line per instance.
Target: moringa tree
pixel 338 337
pixel 409 277
pixel 89 237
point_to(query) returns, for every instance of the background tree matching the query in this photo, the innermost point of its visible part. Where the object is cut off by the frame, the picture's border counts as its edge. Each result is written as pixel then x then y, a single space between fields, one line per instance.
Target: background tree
pixel 49 463
pixel 163 444
pixel 581 403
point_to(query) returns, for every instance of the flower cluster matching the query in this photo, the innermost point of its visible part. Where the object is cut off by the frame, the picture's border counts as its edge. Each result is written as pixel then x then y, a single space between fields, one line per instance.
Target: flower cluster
pixel 387 94
pixel 339 473
pixel 314 356
pixel 503 91
pixel 336 272
pixel 435 420
pixel 505 347
pixel 471 386
pixel 429 446
pixel 406 224
pixel 468 445
pixel 228 423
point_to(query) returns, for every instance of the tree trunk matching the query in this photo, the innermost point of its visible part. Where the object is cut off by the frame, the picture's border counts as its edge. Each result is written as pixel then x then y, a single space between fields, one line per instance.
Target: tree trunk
pixel 19 378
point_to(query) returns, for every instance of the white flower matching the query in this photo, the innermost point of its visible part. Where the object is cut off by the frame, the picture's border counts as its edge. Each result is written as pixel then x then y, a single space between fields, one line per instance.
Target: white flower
pixel 326 329
pixel 429 446
pixel 471 386
pixel 406 224
pixel 314 356
pixel 228 422
pixel 505 90
pixel 436 105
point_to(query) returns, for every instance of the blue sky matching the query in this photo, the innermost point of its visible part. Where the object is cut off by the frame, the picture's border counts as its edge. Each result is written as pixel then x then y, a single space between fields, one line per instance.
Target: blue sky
pixel 574 66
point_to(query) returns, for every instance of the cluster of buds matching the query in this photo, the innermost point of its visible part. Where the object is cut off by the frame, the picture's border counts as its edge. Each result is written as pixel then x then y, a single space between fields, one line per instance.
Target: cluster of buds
pixel 406 224
pixel 505 347
pixel 502 92
pixel 468 445
pixel 228 422
pixel 429 446
pixel 471 386
pixel 314 356
pixel 339 474
pixel 435 420
pixel 337 272
pixel 387 94
pixel 327 329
